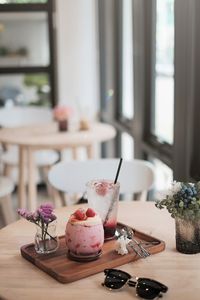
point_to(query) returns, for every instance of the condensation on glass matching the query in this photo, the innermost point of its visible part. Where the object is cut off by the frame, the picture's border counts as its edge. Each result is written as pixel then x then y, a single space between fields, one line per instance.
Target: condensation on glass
pixel 163 114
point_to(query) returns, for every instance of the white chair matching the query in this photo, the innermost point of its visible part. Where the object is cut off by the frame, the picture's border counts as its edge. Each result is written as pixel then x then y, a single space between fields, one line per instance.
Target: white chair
pixel 135 177
pixel 21 116
pixel 6 188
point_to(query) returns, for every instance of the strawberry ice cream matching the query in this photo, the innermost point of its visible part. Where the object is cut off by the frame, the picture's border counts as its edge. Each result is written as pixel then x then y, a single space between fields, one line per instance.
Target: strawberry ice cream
pixel 84 233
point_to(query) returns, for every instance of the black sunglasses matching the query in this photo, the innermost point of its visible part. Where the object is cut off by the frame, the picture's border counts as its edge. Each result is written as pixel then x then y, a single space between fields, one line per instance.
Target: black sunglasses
pixel 145 288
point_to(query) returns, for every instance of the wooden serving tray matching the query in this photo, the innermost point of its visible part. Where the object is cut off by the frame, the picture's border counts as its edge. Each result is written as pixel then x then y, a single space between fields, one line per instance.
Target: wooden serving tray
pixel 60 267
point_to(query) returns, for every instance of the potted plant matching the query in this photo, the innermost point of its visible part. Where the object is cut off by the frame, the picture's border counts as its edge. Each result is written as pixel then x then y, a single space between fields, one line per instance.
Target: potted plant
pixel 183 203
pixel 61 115
pixel 46 240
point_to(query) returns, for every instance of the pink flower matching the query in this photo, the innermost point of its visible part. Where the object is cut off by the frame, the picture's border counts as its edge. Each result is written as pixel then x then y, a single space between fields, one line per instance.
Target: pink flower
pixel 62 113
pixel 44 214
pixel 22 212
pixel 42 217
pixel 26 214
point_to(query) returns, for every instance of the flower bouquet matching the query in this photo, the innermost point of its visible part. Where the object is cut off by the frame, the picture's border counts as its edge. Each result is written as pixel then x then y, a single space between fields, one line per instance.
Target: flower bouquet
pixel 61 115
pixel 183 203
pixel 45 239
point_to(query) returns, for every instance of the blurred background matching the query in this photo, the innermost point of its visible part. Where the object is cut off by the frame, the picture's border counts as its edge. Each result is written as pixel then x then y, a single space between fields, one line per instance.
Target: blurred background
pixel 130 63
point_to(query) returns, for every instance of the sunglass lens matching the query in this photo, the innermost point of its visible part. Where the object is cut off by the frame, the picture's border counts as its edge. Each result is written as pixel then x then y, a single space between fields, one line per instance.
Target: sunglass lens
pixel 154 284
pixel 116 279
pixel 148 289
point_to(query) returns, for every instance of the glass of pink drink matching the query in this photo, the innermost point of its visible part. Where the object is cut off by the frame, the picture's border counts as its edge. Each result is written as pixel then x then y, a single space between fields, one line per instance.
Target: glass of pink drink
pixel 103 197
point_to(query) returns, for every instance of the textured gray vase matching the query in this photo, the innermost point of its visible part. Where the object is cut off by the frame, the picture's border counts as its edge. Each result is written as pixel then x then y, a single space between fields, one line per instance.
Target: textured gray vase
pixel 187 236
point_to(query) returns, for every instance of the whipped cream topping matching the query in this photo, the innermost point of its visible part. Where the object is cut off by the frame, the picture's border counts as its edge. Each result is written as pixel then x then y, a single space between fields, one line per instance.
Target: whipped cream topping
pixel 90 221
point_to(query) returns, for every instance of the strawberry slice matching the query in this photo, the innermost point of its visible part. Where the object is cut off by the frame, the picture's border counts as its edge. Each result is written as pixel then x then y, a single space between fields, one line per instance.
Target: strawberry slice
pixel 80 214
pixel 90 212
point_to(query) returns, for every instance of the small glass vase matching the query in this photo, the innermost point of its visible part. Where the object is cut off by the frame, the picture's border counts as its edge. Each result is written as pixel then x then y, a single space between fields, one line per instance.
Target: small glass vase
pixel 187 236
pixel 63 125
pixel 46 240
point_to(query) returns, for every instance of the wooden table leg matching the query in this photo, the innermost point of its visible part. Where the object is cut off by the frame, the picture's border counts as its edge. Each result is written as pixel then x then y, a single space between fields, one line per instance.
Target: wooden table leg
pixel 22 183
pixel 7 169
pixel 32 187
pixel 90 151
pixel 7 209
pixel 74 153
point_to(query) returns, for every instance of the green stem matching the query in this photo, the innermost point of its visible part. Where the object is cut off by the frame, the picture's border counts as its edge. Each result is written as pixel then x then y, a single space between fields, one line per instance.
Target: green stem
pixel 43 234
pixel 46 232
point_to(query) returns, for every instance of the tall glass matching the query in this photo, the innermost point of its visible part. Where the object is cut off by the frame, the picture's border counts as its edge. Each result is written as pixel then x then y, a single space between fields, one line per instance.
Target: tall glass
pixel 103 197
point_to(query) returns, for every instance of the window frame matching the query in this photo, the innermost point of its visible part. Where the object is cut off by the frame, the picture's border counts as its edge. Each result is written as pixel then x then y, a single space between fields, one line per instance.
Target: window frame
pixel 51 70
pixel 183 156
pixel 178 155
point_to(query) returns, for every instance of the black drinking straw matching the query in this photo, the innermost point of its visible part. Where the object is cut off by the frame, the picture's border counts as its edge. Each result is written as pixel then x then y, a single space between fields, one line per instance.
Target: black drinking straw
pixel 118 169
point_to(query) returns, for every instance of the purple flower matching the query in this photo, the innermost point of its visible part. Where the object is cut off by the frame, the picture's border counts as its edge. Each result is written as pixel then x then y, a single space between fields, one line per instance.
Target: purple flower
pixel 22 212
pixel 43 214
pixel 47 206
pixel 36 215
pixel 26 214
pixel 53 217
pixel 30 217
pixel 42 217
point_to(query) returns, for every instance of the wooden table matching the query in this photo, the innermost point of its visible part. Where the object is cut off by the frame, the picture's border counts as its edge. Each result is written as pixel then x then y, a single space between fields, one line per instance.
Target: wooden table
pixel 47 136
pixel 19 279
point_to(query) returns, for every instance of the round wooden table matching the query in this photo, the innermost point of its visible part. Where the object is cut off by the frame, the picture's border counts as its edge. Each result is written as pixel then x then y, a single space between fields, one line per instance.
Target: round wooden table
pixel 46 136
pixel 19 279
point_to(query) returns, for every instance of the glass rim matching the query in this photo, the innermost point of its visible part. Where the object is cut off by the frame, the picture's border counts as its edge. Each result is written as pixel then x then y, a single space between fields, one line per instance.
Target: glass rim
pixel 90 182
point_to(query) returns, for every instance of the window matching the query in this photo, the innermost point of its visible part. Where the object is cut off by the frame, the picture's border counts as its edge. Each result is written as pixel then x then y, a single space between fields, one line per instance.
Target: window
pixel 25 89
pixel 163 176
pixel 127 60
pixel 154 80
pixel 27 56
pixel 166 62
pixel 163 102
pixel 127 146
pixel 21 1
pixel 24 39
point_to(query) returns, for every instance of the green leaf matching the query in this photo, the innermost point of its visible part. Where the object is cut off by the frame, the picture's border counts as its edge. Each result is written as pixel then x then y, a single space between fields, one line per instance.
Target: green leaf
pixel 181 204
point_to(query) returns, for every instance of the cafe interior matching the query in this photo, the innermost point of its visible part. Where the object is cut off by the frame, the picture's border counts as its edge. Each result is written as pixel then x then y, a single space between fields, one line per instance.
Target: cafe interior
pixel 99 131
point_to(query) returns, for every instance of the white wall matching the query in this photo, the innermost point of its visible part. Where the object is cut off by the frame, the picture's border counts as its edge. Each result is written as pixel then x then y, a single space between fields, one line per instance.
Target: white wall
pixel 77 54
